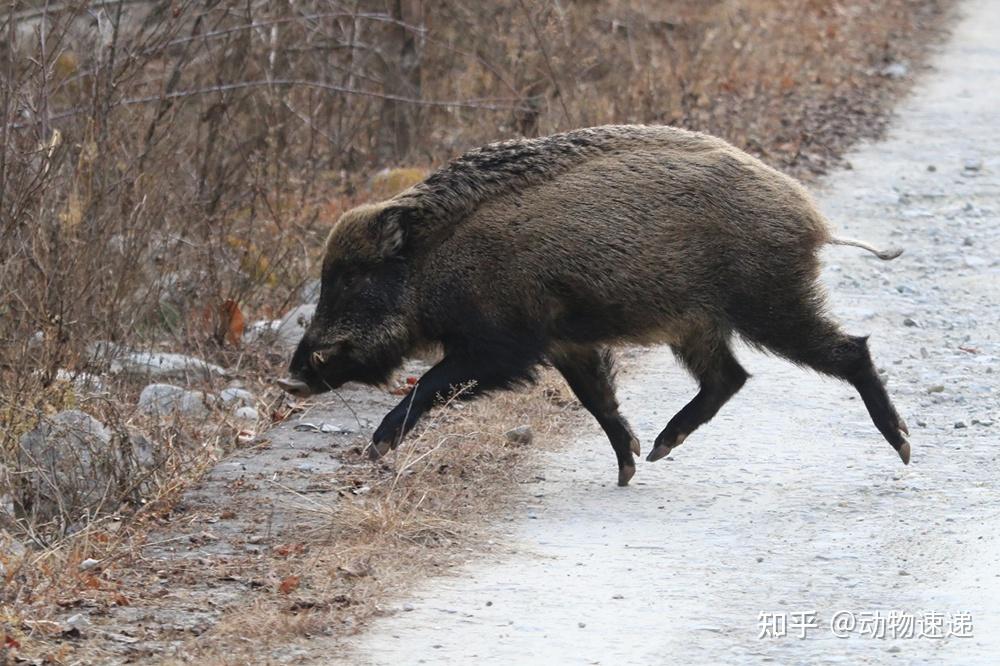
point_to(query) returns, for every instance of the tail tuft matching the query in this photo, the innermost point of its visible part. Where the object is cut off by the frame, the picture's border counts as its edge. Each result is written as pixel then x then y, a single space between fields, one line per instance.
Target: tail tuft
pixel 890 254
pixel 885 255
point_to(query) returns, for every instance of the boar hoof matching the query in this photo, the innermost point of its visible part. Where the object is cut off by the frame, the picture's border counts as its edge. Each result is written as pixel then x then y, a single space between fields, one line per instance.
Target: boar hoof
pixel 634 445
pixel 625 474
pixel 904 427
pixel 660 451
pixel 378 449
pixel 904 452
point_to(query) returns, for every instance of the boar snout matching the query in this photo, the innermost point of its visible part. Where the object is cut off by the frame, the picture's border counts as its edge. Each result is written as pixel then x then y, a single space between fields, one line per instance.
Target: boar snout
pixel 295 387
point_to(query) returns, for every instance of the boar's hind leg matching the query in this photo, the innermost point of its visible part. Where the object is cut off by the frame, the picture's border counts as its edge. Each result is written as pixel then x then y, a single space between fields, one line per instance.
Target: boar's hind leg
pixel 472 373
pixel 709 358
pixel 808 338
pixel 590 373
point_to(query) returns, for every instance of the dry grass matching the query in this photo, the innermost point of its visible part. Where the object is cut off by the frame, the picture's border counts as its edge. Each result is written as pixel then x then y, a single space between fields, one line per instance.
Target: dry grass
pixel 431 510
pixel 168 171
pixel 428 509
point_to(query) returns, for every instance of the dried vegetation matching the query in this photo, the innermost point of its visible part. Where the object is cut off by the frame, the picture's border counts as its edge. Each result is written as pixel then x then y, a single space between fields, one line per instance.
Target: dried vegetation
pixel 168 169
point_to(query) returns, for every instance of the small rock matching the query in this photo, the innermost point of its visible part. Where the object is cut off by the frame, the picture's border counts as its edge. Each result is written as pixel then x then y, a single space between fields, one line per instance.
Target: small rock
pixel 982 422
pixel 76 624
pixel 10 548
pixel 70 463
pixel 248 414
pixel 973 165
pixel 519 435
pixel 936 388
pixel 910 322
pixel 261 331
pixel 164 399
pixel 157 365
pixel 931 168
pixel 581 624
pixel 78 621
pixel 83 382
pixel 236 396
pixel 89 564
pixel 960 424
pixel 968 242
pixel 408 607
pixel 334 429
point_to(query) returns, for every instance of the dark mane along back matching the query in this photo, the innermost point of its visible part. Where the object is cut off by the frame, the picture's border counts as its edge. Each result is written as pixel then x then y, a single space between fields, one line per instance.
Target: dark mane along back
pixel 457 189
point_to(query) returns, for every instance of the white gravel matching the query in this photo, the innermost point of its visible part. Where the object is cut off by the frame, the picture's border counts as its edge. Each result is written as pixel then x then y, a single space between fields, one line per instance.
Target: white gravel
pixel 789 501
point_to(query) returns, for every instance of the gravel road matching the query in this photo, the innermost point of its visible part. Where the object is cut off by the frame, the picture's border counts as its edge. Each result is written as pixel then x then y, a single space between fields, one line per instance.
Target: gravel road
pixel 789 504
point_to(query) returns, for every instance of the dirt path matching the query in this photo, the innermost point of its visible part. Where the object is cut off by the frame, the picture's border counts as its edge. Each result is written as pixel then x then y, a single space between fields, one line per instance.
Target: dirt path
pixel 789 501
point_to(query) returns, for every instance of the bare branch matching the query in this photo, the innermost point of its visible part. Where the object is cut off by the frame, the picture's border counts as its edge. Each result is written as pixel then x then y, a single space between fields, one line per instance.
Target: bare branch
pixel 284 83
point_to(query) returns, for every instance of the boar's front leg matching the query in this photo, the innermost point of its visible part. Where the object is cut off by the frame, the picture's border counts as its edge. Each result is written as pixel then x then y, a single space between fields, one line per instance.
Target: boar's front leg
pixel 590 374
pixel 471 372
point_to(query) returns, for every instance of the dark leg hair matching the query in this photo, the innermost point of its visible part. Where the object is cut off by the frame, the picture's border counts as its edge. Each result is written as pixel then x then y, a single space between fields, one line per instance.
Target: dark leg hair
pixel 589 373
pixel 811 339
pixel 470 372
pixel 709 358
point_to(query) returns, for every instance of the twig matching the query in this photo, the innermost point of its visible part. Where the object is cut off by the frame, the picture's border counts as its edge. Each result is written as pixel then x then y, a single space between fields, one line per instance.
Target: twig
pixel 548 61
pixel 28 14
pixel 283 83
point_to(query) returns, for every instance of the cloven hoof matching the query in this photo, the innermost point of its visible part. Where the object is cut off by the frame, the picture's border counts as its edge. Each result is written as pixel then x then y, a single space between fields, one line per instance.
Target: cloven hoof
pixel 625 475
pixel 377 450
pixel 904 452
pixel 658 452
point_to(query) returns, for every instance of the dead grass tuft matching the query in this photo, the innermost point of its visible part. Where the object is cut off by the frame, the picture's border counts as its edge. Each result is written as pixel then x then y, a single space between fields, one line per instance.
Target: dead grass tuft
pixel 426 510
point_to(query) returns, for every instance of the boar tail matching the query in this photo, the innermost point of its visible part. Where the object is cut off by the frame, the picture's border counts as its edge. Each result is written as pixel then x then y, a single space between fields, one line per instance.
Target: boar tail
pixel 885 255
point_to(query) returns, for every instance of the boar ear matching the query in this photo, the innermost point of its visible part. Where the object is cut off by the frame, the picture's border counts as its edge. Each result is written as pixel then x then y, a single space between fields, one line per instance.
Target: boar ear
pixel 389 231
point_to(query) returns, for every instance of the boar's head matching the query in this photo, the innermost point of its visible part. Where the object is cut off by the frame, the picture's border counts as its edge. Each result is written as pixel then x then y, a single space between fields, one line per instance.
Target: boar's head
pixel 360 331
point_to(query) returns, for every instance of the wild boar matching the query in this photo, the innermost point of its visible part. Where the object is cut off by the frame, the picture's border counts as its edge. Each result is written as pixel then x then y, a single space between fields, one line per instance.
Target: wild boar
pixel 553 250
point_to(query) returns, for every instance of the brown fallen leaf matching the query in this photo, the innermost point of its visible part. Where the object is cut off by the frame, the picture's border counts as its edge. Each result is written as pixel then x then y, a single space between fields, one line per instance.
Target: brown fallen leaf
pixel 231 322
pixel 288 549
pixel 288 585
